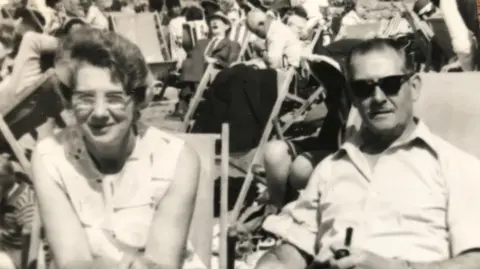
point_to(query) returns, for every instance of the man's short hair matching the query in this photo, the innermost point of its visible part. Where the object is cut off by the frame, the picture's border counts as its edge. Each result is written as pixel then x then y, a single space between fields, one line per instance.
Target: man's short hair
pixel 379 44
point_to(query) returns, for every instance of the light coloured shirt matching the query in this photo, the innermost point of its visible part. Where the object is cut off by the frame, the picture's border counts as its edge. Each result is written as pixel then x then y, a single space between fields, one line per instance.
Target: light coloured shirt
pixel 175 30
pixel 283 46
pixel 96 18
pixel 116 211
pixel 417 204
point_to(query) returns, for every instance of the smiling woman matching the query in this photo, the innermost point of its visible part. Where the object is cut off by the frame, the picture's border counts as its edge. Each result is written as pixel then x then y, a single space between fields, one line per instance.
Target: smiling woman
pixel 111 192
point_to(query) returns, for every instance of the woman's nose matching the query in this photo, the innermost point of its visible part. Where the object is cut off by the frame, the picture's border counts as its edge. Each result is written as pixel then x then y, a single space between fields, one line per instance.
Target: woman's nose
pixel 100 110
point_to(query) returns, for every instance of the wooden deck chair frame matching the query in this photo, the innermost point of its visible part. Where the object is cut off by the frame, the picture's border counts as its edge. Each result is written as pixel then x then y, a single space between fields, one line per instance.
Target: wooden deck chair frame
pixel 207 78
pixel 202 222
pixel 160 34
pixel 284 79
pixel 24 162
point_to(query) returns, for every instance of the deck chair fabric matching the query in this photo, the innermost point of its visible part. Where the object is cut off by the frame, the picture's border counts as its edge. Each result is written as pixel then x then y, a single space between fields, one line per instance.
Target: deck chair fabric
pixel 449 105
pixel 141 29
pixel 194 31
pixel 202 221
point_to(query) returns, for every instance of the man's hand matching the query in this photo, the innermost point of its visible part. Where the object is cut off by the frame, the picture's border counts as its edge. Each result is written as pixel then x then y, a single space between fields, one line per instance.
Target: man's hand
pixel 362 259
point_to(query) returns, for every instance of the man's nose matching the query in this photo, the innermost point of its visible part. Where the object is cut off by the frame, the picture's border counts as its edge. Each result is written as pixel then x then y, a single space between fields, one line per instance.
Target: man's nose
pixel 378 95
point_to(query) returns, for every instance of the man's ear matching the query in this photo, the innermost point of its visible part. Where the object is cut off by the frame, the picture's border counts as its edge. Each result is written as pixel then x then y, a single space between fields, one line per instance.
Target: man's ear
pixel 415 86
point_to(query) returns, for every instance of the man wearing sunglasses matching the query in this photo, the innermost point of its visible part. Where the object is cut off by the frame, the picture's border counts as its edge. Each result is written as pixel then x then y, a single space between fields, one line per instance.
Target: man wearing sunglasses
pixel 410 198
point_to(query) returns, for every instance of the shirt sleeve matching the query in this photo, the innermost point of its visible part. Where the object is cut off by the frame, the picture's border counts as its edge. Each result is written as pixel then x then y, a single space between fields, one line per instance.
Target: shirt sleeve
pixel 294 50
pixel 298 221
pixel 27 68
pixel 463 188
pixel 275 46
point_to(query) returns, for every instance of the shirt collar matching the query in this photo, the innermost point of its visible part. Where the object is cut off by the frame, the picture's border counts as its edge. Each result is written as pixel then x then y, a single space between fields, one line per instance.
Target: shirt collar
pixel 77 154
pixel 421 133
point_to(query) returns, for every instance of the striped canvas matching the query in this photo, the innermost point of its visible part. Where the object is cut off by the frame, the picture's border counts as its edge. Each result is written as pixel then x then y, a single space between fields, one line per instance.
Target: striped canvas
pixel 197 30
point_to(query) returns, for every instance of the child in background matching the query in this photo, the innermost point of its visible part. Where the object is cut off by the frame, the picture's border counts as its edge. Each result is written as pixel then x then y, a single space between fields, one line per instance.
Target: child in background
pixel 17 207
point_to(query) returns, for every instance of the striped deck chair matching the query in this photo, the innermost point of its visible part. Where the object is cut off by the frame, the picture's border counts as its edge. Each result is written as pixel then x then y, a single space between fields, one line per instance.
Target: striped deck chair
pixel 241 35
pixel 449 105
pixel 143 30
pixel 7 12
pixel 194 31
pixel 203 217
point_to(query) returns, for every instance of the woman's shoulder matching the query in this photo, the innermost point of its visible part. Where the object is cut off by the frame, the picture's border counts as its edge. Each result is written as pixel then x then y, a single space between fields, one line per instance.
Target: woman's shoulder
pixel 150 135
pixel 56 143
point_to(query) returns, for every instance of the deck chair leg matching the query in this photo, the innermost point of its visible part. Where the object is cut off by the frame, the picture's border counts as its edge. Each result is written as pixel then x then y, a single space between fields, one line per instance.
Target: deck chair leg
pixel 263 140
pixel 224 223
pixel 197 97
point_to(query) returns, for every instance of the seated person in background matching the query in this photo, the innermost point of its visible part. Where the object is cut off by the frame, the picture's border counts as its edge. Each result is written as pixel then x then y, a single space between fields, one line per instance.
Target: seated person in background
pixel 354 14
pixel 95 16
pixel 209 7
pixel 17 207
pixel 284 49
pixel 296 19
pixel 460 17
pixel 218 50
pixel 73 8
pixel 127 7
pixel 406 193
pixel 175 30
pixel 289 164
pixel 56 17
pixel 112 192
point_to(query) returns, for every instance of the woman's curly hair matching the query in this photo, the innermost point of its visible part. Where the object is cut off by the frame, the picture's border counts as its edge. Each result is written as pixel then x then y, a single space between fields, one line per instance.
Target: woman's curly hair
pixel 104 49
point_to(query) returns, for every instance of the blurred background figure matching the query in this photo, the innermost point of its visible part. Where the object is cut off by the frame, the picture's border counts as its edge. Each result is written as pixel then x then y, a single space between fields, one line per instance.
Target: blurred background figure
pixel 209 7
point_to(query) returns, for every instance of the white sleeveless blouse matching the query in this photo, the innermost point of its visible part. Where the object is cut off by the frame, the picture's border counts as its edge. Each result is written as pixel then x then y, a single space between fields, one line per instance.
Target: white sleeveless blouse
pixel 116 211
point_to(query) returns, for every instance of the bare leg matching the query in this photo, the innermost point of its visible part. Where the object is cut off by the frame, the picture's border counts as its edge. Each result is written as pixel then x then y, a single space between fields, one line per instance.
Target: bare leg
pixel 277 168
pixel 300 172
pixel 6 262
pixel 284 256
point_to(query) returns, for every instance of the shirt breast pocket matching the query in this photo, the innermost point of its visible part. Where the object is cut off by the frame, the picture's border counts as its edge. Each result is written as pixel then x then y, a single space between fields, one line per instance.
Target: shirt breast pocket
pixel 131 222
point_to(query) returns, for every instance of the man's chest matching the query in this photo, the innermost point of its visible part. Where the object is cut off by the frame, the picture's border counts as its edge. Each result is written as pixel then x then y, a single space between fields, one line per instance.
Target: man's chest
pixel 399 192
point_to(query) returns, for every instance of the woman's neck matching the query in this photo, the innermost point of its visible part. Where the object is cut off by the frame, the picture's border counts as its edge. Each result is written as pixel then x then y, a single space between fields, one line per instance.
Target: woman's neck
pixel 111 159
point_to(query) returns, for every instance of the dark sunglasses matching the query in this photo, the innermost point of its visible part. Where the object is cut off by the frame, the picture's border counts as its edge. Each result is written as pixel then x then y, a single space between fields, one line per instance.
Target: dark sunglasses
pixel 391 85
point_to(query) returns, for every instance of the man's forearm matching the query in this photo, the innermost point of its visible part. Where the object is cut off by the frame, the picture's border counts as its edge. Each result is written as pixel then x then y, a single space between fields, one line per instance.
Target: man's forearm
pixel 466 261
